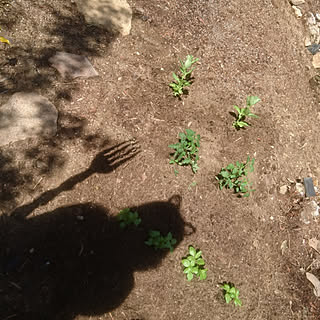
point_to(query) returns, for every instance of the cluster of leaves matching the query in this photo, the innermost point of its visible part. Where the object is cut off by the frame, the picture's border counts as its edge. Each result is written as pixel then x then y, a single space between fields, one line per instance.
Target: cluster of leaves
pixel 235 177
pixel 231 293
pixel 184 80
pixel 194 265
pixel 245 112
pixel 126 218
pixel 186 150
pixel 159 241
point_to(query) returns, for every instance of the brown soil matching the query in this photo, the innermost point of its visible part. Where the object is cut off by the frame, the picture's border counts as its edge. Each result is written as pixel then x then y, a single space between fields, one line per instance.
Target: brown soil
pixel 63 255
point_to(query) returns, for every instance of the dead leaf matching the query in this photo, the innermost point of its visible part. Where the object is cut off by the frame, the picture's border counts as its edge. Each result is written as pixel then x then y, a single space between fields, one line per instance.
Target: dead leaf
pixel 316 283
pixel 315 244
pixel 284 246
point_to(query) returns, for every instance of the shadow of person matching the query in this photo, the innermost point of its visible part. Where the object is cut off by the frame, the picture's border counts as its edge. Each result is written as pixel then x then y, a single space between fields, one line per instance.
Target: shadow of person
pixel 76 260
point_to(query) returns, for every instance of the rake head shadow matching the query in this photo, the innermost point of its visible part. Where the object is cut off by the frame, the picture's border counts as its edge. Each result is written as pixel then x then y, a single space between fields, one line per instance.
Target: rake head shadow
pixel 104 162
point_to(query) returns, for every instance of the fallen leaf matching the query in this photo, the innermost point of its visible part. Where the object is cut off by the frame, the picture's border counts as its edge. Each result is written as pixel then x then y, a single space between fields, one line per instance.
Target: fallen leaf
pixel 315 244
pixel 284 246
pixel 316 283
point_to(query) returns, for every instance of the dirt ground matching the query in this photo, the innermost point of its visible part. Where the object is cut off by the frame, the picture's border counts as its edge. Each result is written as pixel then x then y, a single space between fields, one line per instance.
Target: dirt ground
pixel 63 255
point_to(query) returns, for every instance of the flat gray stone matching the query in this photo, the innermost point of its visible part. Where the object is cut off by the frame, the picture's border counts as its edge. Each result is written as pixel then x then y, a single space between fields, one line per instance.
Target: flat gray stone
pixel 113 15
pixel 72 65
pixel 27 115
pixel 308 184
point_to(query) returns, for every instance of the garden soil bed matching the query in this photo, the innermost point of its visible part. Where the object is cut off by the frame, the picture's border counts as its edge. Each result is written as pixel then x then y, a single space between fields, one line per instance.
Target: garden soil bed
pixel 63 255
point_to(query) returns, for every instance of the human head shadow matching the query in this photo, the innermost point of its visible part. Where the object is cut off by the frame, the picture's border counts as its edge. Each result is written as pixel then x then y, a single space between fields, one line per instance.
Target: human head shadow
pixel 76 259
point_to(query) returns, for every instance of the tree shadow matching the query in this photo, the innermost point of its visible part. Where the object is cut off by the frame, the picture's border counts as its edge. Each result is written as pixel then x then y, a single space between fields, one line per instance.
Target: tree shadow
pixel 76 260
pixel 25 66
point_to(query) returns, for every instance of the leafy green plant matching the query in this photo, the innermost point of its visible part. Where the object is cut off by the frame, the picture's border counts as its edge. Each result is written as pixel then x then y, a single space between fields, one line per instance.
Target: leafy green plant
pixel 186 150
pixel 245 112
pixel 184 80
pixel 159 241
pixel 194 265
pixel 231 293
pixel 126 218
pixel 235 177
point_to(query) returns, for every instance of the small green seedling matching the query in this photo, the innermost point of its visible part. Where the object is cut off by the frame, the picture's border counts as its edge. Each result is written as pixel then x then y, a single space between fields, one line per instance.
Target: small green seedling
pixel 126 218
pixel 158 241
pixel 245 112
pixel 235 177
pixel 184 80
pixel 186 150
pixel 192 184
pixel 194 265
pixel 231 293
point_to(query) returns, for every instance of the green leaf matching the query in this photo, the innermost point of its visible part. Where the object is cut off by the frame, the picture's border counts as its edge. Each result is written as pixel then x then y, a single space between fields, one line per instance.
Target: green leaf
pixel 175 77
pixel 203 274
pixel 243 124
pixel 192 251
pixel 237 302
pixel 195 270
pixel 225 287
pixel 189 276
pixel 230 166
pixel 232 290
pixel 224 174
pixel 227 297
pixel 198 254
pixel 186 262
pixel 252 100
pixel 200 262
pixel 237 109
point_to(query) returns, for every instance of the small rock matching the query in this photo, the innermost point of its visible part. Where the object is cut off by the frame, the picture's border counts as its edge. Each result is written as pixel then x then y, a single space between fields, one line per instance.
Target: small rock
pixel 81 218
pixel 113 15
pixel 277 292
pixel 316 60
pixel 307 41
pixel 314 34
pixel 27 115
pixel 297 2
pixel 72 65
pixel 311 19
pixel 297 11
pixel 300 189
pixel 283 189
pixel 314 48
pixel 309 212
pixel 317 16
